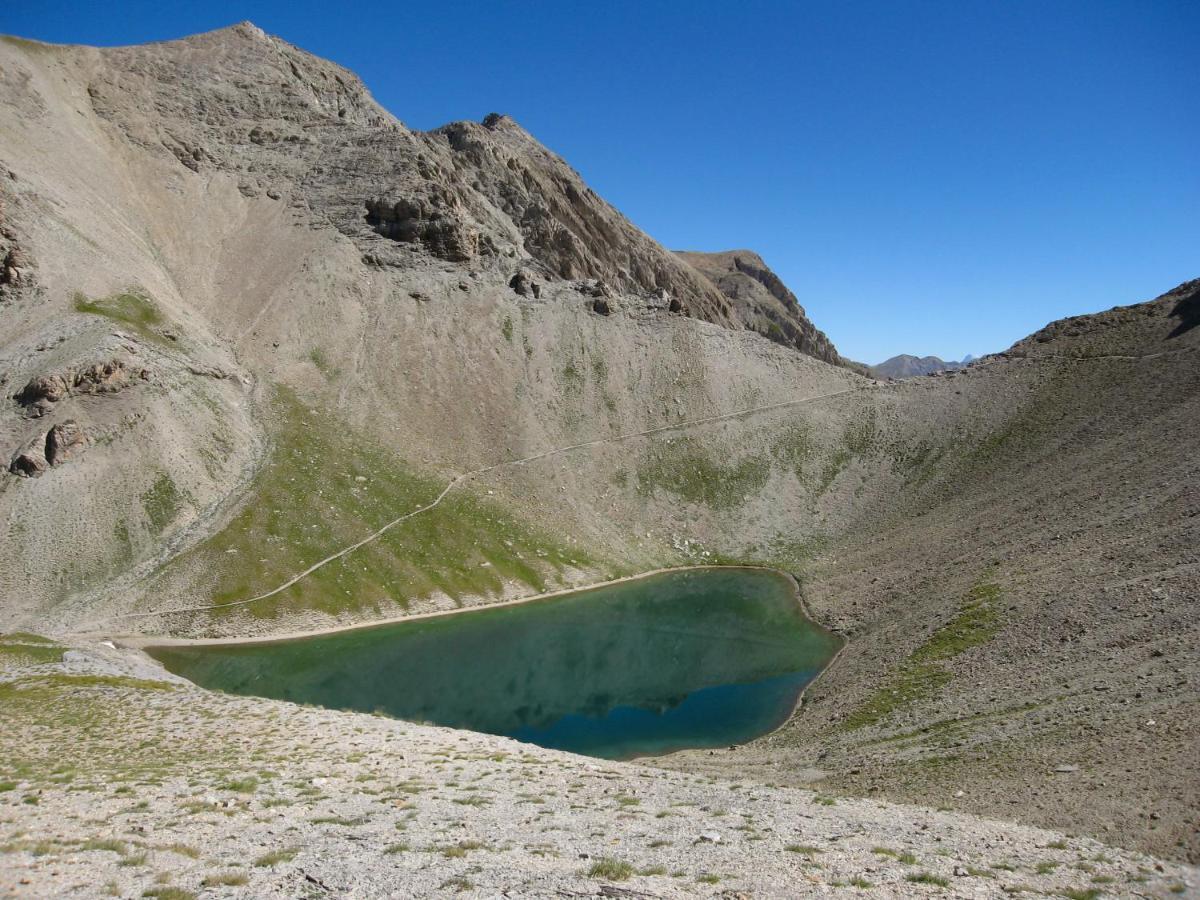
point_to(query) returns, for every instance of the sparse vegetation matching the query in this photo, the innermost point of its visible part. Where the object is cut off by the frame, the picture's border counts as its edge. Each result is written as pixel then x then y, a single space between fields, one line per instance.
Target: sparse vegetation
pixel 610 869
pixel 274 857
pixel 927 878
pixel 318 358
pixel 246 785
pixel 922 674
pixel 684 468
pixel 162 502
pixel 303 508
pixel 133 309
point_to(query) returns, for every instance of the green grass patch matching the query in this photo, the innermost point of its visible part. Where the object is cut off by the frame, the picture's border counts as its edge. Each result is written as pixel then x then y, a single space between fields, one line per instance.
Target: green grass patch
pixel 162 502
pixel 922 675
pixel 684 468
pixel 286 854
pixel 26 637
pixel 240 785
pixel 29 654
pixel 803 849
pixel 610 869
pixel 927 878
pixel 324 488
pixel 134 309
pixel 318 358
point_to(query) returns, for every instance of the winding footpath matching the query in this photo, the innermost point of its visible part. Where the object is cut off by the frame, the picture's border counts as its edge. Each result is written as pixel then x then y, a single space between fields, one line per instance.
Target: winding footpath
pixel 467 476
pixel 595 442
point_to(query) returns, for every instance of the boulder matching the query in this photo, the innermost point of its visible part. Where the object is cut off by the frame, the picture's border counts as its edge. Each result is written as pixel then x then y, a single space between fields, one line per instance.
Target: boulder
pixel 524 284
pixel 63 441
pixel 42 391
pixel 29 463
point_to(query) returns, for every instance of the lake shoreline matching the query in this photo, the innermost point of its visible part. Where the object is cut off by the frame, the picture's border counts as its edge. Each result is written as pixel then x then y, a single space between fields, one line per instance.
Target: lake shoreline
pixel 143 641
pixel 148 643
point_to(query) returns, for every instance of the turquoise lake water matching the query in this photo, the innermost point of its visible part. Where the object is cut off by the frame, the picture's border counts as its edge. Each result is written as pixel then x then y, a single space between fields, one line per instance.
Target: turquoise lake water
pixel 693 659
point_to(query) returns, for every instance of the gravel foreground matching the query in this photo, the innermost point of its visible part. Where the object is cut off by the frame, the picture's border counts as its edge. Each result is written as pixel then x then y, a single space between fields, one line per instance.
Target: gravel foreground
pixel 119 779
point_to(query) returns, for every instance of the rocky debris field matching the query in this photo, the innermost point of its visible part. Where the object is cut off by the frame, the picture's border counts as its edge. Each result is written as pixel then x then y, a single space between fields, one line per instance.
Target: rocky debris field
pixel 119 779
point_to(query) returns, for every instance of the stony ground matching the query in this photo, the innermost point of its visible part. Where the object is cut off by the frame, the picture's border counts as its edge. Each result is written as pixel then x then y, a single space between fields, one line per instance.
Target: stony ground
pixel 118 779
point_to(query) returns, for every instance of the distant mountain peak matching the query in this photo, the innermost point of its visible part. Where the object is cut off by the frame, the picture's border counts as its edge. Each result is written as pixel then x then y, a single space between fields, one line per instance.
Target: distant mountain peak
pixel 906 365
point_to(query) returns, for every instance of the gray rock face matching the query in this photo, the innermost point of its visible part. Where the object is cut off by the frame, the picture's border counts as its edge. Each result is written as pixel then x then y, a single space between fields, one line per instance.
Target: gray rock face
pixel 16 264
pixel 307 131
pixel 762 301
pixel 437 221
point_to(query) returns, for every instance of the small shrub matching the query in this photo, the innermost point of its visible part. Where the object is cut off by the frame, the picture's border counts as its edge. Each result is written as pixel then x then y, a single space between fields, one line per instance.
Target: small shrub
pixel 612 869
pixel 241 785
pixel 224 879
pixel 111 844
pixel 286 854
pixel 927 878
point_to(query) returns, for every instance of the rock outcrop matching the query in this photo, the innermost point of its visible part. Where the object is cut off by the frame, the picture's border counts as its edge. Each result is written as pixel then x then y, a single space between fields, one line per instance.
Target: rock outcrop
pixel 29 462
pixel 762 301
pixel 468 191
pixel 106 376
pixel 63 441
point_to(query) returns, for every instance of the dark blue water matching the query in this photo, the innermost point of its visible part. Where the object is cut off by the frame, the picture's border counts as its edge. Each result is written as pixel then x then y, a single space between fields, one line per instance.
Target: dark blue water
pixel 702 658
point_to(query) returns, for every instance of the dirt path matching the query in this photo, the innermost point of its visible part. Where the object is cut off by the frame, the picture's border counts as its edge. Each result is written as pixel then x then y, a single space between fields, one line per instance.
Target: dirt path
pixel 595 442
pixel 466 476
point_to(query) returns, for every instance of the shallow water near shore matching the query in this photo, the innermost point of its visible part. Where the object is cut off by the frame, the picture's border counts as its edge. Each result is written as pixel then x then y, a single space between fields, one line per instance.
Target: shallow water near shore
pixel 686 659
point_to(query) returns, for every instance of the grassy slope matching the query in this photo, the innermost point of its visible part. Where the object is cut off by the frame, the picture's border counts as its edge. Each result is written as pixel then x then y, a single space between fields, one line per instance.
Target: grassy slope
pixel 324 488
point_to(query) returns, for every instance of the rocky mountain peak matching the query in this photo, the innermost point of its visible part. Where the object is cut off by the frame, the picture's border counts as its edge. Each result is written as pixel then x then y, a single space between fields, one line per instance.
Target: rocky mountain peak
pixel 762 300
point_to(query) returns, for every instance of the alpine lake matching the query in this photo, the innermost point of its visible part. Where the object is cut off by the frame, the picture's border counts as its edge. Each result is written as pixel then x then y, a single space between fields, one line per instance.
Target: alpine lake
pixel 695 658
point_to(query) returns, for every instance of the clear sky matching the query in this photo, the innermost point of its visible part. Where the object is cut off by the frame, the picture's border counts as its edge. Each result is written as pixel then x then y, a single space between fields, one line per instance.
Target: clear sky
pixel 928 177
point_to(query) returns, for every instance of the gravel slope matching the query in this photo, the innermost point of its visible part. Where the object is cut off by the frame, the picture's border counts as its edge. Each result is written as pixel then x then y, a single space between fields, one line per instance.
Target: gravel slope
pixel 120 779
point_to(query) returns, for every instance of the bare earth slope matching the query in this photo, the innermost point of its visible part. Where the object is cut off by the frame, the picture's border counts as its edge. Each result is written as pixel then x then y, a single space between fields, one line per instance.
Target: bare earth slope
pixel 248 321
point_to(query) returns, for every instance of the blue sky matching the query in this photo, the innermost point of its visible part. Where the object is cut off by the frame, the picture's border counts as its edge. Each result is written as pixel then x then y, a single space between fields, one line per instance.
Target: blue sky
pixel 927 177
